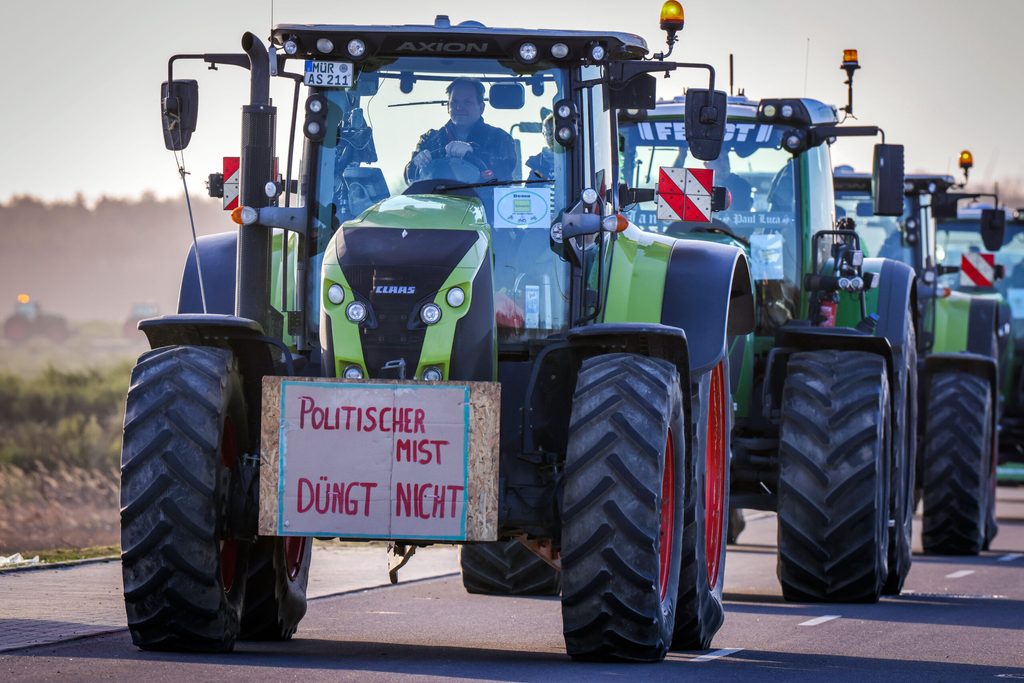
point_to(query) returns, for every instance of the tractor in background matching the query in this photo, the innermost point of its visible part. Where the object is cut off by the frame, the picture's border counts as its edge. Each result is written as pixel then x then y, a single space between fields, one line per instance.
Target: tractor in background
pixel 826 384
pixel 964 348
pixel 29 320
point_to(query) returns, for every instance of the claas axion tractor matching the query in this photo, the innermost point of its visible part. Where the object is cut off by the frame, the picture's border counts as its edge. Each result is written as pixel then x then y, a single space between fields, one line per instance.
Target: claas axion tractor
pixel 429 348
pixel 825 384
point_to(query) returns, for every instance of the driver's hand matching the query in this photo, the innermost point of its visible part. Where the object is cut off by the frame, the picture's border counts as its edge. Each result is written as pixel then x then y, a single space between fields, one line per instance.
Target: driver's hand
pixel 458 149
pixel 422 159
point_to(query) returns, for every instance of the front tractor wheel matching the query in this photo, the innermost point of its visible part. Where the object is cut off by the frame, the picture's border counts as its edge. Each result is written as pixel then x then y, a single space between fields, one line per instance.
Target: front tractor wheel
pixel 184 435
pixel 958 454
pixel 622 509
pixel 833 499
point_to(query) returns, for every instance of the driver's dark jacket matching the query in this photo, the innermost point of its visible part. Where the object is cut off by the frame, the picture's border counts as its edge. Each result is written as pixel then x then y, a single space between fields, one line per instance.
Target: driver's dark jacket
pixel 492 146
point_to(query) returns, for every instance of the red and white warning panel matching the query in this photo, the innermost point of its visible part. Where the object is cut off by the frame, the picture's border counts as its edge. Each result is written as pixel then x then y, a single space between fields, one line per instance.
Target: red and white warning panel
pixel 684 194
pixel 231 184
pixel 977 270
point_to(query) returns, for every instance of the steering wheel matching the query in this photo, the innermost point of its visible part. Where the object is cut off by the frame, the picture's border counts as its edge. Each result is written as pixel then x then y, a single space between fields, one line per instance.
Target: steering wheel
pixel 450 168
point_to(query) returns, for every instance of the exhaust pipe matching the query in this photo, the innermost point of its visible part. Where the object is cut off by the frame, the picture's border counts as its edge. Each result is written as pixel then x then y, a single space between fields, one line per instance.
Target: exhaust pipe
pixel 259 124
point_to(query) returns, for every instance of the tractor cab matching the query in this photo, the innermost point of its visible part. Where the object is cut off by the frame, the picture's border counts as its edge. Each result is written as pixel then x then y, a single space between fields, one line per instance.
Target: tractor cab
pixel 776 170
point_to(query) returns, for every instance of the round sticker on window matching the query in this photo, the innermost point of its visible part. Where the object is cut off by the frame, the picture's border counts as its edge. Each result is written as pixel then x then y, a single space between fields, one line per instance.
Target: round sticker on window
pixel 519 208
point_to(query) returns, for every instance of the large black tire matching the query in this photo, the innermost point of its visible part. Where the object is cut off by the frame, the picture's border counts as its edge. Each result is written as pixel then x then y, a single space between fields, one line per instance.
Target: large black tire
pixel 184 432
pixel 275 587
pixel 622 509
pixel 833 505
pixel 902 481
pixel 507 568
pixel 699 611
pixel 957 464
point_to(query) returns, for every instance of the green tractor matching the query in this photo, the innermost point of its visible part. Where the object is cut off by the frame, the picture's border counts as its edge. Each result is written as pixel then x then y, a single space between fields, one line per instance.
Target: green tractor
pixel 960 231
pixel 436 348
pixel 963 344
pixel 826 384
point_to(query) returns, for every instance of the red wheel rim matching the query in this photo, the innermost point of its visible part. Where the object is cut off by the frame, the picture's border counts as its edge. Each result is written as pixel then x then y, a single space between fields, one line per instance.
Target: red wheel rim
pixel 668 514
pixel 714 475
pixel 228 546
pixel 294 553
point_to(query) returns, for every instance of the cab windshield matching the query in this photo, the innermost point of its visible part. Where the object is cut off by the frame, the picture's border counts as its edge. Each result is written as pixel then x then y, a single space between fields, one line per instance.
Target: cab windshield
pixel 881 236
pixel 955 238
pixel 759 176
pixel 427 125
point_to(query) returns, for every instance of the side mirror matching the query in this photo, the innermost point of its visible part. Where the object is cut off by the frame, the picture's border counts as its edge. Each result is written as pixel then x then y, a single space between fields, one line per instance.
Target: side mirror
pixel 944 205
pixel 179 109
pixel 507 96
pixel 705 123
pixel 993 228
pixel 887 180
pixel 639 92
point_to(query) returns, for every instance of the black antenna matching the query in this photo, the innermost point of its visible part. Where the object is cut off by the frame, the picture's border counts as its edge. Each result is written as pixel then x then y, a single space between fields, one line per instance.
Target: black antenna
pixel 730 74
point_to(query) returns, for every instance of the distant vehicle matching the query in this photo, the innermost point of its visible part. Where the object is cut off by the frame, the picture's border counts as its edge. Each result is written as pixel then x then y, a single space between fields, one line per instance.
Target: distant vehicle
pixel 140 311
pixel 29 321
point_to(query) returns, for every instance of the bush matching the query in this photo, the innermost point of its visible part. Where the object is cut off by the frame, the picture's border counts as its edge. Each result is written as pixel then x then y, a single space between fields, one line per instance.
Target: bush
pixel 63 418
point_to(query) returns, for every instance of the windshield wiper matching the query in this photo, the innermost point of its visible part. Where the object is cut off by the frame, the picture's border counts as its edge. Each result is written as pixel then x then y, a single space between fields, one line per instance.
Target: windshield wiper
pixel 492 183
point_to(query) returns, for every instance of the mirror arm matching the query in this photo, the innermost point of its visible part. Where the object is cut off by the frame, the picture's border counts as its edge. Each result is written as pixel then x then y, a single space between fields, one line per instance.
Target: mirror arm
pixel 624 71
pixel 213 60
pixel 819 134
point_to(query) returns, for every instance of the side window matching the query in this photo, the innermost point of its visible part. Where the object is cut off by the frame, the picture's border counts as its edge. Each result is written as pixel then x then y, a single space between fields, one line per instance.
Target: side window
pixel 599 168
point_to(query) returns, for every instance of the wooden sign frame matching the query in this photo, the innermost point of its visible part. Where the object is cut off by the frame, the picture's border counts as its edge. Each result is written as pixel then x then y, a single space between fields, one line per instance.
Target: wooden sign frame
pixel 481 456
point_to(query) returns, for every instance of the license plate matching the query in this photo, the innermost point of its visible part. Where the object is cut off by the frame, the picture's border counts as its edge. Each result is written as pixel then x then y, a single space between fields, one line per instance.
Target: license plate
pixel 328 74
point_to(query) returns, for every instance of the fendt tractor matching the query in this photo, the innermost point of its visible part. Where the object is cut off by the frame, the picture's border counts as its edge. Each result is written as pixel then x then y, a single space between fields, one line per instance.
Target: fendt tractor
pixel 428 338
pixel 826 384
pixel 957 233
pixel 964 346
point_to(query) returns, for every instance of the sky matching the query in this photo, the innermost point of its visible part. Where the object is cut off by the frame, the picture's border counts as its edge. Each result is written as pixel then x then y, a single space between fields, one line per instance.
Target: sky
pixel 79 94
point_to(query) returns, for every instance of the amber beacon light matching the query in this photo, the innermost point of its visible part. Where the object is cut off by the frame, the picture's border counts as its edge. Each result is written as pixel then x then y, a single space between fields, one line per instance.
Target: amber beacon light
pixel 966 159
pixel 672 17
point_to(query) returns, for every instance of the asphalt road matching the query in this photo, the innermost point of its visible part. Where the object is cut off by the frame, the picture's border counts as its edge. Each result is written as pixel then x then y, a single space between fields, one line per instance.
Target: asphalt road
pixel 959 619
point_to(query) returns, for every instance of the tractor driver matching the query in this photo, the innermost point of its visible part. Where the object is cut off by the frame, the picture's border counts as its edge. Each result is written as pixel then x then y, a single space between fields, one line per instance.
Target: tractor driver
pixel 739 189
pixel 466 137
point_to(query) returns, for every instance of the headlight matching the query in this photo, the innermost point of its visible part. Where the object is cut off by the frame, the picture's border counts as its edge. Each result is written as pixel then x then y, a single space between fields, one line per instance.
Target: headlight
pixel 353 372
pixel 325 45
pixel 589 196
pixel 455 297
pixel 787 111
pixel 527 52
pixel 559 50
pixel 356 47
pixel 335 294
pixel 432 375
pixel 290 47
pixel 430 314
pixel 356 311
pixel 597 53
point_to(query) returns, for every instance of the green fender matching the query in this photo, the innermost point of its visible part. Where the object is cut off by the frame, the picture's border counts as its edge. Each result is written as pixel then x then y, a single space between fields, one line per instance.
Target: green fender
pixel 701 287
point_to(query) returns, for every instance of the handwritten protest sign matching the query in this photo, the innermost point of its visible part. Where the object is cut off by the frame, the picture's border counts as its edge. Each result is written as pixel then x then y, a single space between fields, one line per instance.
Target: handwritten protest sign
pixel 382 460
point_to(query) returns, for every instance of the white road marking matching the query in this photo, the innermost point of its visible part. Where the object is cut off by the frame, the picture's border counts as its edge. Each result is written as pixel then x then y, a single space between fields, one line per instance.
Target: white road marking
pixel 960 574
pixel 819 620
pixel 717 654
pixel 1011 557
